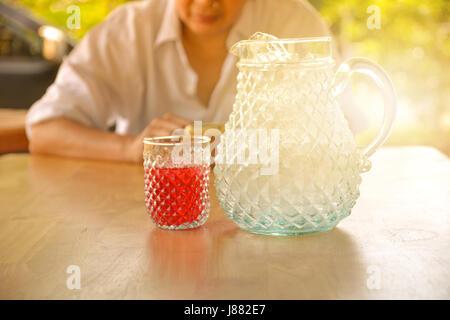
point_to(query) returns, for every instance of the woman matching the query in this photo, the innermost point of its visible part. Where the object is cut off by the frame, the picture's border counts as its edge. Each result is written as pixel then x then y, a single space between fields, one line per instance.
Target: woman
pixel 153 67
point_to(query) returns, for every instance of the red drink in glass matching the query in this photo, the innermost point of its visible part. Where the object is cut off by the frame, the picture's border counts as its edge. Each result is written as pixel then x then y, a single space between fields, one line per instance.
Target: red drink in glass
pixel 177 180
pixel 177 196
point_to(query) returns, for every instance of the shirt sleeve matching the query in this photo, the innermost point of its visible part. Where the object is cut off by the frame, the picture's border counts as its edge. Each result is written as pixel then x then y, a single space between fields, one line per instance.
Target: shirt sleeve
pixel 92 81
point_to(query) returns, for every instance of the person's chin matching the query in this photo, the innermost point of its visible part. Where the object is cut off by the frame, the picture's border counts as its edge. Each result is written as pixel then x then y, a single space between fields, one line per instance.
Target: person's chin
pixel 206 28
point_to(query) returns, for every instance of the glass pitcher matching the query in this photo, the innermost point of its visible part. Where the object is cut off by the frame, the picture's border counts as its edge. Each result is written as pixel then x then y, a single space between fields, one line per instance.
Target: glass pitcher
pixel 287 162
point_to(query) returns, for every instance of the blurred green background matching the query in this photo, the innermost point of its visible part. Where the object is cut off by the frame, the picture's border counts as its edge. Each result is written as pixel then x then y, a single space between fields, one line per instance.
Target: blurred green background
pixel 412 44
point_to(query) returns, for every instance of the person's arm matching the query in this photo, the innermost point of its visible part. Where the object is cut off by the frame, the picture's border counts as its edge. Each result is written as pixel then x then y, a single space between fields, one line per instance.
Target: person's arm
pixel 92 90
pixel 63 137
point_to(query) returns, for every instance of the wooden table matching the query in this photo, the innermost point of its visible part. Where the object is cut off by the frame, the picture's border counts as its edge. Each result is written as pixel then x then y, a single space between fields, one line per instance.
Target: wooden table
pixel 57 212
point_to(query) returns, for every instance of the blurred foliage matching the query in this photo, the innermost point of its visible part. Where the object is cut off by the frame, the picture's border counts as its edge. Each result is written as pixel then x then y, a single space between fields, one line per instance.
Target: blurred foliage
pixel 55 12
pixel 412 44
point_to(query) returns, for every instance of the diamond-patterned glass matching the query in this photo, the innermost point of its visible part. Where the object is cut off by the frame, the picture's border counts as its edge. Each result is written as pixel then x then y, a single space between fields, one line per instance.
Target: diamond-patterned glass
pixel 177 181
pixel 319 167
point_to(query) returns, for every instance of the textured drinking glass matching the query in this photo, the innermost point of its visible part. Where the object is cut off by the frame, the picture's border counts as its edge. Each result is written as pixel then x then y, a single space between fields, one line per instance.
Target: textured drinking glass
pixel 290 85
pixel 177 180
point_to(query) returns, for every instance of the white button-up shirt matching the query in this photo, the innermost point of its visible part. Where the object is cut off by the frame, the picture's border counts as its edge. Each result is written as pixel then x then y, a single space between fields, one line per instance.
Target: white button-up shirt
pixel 132 67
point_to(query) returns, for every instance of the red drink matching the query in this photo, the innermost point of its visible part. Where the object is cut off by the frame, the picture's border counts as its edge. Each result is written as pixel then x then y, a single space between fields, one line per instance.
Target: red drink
pixel 177 196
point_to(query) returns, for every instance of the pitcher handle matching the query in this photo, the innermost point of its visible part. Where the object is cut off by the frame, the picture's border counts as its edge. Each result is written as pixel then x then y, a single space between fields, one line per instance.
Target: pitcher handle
pixel 383 82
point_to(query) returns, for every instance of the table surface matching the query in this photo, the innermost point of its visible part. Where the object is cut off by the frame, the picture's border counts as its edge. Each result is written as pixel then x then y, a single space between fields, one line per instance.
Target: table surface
pixel 57 212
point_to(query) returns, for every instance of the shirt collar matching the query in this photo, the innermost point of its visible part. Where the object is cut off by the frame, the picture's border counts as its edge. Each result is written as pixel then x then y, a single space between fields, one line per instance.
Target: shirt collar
pixel 170 29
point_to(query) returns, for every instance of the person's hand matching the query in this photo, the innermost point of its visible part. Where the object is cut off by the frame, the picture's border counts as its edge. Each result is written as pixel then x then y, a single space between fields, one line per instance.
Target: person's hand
pixel 162 126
